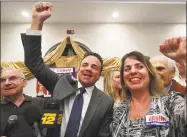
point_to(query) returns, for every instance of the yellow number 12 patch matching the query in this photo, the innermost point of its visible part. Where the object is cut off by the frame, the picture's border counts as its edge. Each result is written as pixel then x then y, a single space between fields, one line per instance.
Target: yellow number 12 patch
pixel 48 118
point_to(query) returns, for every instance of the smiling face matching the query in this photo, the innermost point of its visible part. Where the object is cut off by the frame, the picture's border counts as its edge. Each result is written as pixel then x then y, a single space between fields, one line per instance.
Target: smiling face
pixel 12 83
pixel 136 76
pixel 89 71
pixel 163 70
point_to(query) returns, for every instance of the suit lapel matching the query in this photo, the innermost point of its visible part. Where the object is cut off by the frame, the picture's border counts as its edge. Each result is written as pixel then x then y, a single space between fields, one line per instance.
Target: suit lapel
pixel 65 87
pixel 94 103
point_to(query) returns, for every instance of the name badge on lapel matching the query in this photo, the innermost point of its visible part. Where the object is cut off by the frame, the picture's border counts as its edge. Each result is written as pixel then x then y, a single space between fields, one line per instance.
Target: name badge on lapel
pixel 157 120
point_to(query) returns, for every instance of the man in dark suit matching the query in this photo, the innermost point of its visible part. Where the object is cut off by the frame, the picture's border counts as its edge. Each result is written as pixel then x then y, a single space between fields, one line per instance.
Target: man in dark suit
pixel 96 107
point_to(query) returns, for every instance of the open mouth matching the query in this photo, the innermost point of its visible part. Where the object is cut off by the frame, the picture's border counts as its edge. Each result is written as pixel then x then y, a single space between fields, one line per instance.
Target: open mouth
pixel 10 88
pixel 135 79
pixel 87 75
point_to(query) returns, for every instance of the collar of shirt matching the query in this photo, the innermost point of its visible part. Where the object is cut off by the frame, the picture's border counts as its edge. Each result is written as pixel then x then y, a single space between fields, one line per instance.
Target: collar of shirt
pixel 180 80
pixel 88 89
pixel 26 98
pixel 68 103
pixel 169 86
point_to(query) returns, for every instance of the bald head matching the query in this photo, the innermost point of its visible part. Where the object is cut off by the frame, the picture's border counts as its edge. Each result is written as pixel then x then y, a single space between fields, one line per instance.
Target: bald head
pixel 7 70
pixel 164 60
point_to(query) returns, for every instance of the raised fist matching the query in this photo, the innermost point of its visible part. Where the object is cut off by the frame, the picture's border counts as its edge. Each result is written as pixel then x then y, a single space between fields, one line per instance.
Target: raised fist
pixel 174 48
pixel 41 11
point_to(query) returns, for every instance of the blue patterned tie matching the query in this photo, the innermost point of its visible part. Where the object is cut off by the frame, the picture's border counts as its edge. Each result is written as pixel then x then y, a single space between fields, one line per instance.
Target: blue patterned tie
pixel 75 116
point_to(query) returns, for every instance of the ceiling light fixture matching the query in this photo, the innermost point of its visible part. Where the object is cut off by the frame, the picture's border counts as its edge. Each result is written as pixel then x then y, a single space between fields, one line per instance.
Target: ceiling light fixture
pixel 115 14
pixel 25 14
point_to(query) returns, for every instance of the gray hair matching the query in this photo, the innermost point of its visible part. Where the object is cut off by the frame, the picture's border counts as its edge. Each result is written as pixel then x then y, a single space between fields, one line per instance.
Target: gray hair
pixel 171 63
pixel 13 69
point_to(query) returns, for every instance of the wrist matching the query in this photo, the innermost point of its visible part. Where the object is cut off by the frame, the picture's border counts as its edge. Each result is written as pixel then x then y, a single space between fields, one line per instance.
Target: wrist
pixel 36 24
pixel 181 61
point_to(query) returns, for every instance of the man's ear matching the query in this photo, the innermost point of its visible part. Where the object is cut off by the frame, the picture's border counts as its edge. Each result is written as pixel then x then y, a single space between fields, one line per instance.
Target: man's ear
pixel 77 70
pixel 99 77
pixel 24 82
pixel 173 72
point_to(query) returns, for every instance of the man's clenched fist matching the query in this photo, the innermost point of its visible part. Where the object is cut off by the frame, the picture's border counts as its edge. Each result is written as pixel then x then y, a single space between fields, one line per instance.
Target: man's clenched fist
pixel 174 48
pixel 41 11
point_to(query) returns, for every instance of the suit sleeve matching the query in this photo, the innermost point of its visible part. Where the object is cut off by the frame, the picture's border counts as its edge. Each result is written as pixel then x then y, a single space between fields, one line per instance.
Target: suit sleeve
pixel 33 60
pixel 105 128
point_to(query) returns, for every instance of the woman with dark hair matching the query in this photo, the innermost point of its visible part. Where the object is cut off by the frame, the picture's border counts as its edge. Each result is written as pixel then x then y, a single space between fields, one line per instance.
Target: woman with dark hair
pixel 147 110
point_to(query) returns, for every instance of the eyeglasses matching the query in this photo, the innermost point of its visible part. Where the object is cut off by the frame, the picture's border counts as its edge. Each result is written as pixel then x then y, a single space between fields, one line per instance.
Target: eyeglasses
pixel 10 79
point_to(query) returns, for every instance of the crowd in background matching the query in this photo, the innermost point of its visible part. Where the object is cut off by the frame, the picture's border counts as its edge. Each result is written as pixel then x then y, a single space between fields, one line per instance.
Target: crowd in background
pixel 144 97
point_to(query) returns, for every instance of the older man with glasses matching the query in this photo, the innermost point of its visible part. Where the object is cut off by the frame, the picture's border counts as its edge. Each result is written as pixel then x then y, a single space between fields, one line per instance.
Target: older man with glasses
pixel 14 102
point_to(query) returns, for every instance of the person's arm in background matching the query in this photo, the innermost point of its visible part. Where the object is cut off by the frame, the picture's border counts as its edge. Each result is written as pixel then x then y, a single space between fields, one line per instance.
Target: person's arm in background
pixel 32 47
pixel 175 48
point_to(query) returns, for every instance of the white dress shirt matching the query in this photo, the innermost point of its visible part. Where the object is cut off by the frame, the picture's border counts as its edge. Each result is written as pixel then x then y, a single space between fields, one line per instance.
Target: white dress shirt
pixel 68 104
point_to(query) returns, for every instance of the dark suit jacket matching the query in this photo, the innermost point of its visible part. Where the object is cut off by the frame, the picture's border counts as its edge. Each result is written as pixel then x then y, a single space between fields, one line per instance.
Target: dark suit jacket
pixel 100 109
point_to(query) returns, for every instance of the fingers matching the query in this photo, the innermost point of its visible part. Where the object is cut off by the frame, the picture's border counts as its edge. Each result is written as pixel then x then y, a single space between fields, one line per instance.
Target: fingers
pixel 172 41
pixel 41 6
pixel 170 45
pixel 49 7
pixel 174 48
pixel 167 46
pixel 182 39
pixel 162 49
